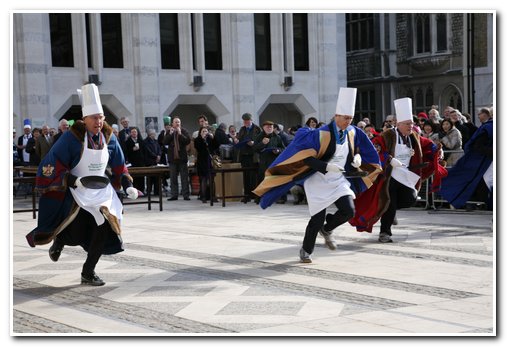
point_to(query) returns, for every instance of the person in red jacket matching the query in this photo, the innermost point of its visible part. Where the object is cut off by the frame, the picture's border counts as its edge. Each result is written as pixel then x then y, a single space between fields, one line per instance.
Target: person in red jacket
pixel 407 160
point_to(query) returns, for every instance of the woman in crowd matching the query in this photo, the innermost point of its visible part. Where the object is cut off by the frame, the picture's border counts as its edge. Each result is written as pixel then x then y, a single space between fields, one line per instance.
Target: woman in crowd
pixel 203 146
pixel 450 138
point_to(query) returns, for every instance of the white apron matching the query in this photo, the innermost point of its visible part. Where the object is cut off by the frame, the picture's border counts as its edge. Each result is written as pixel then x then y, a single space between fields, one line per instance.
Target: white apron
pixel 323 190
pixel 93 163
pixel 402 174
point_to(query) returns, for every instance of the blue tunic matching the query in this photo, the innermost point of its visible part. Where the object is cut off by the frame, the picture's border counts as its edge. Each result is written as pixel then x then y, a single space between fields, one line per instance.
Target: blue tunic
pixel 463 178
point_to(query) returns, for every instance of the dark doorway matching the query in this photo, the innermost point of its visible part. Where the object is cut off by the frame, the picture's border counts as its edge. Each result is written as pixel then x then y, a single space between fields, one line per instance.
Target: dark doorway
pixel 75 113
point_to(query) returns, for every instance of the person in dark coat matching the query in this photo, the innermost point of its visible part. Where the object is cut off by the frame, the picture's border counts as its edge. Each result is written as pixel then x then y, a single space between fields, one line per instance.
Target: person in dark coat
pixel 177 141
pixel 152 156
pixel 247 156
pixel 134 147
pixel 30 148
pixel 221 138
pixel 269 145
pixel 204 146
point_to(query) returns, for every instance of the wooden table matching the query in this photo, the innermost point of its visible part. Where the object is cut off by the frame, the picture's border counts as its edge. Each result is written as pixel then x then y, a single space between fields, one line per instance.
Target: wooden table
pixel 147 171
pixel 27 179
pixel 223 197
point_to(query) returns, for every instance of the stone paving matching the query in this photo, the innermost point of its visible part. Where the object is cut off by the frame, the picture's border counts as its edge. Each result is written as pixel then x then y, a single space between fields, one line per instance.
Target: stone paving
pixel 194 269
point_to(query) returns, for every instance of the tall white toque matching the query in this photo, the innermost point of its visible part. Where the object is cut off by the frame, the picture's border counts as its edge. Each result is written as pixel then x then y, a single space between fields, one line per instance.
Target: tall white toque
pixel 90 99
pixel 346 104
pixel 403 109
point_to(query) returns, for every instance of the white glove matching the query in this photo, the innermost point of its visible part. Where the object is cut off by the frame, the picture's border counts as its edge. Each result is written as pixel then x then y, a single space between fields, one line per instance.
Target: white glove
pixel 132 193
pixel 334 168
pixel 78 183
pixel 356 162
pixel 396 163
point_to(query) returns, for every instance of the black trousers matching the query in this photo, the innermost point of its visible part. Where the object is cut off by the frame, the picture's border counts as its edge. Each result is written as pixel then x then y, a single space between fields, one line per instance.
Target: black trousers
pixel 249 177
pixel 84 231
pixel 401 197
pixel 346 210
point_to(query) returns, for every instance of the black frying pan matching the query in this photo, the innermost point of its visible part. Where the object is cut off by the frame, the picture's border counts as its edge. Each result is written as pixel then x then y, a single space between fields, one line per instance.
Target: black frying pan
pixel 94 182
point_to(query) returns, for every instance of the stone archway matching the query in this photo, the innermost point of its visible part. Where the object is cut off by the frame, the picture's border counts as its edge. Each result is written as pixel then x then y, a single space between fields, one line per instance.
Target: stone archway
pixel 189 107
pixel 451 96
pixel 286 109
pixel 113 109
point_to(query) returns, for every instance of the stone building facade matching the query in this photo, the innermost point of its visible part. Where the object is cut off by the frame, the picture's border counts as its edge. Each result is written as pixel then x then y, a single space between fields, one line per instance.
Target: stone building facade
pixel 442 59
pixel 277 66
pixel 281 67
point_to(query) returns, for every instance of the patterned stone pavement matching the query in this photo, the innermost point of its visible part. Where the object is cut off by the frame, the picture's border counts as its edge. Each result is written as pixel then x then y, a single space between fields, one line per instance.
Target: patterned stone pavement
pixel 199 270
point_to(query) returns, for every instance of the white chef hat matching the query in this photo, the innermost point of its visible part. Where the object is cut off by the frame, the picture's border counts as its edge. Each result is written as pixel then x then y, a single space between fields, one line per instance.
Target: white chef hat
pixel 403 109
pixel 90 99
pixel 346 104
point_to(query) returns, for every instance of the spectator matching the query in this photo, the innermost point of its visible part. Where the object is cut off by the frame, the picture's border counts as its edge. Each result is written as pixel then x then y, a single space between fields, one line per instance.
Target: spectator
pixel 269 146
pixel 152 156
pixel 177 140
pixel 469 124
pixel 361 125
pixel 15 155
pixel 369 130
pixel 134 146
pixel 220 138
pixel 24 156
pixel 247 156
pixel 124 134
pixel 116 130
pixel 450 138
pixel 43 143
pixel 204 147
pixel 286 139
pixel 63 126
pixel 447 112
pixel 312 123
pixel 430 130
pixel 31 148
pixel 458 121
pixel 164 148
pixel 366 120
pixel 434 116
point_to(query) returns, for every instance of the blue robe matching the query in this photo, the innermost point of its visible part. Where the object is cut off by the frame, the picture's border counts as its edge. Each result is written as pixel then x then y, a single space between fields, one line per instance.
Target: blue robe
pixel 289 168
pixel 56 204
pixel 464 177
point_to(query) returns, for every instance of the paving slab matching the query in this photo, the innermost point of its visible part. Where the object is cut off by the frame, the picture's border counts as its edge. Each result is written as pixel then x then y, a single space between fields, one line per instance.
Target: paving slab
pixel 193 269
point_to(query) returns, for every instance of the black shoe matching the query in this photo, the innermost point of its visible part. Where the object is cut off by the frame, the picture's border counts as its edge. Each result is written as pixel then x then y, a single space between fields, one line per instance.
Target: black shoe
pixel 384 238
pixel 92 280
pixel 186 198
pixel 55 251
pixel 204 201
pixel 172 199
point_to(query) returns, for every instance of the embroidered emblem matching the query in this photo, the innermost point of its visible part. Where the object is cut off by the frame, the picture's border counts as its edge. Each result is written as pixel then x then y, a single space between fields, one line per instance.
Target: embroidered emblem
pixel 48 170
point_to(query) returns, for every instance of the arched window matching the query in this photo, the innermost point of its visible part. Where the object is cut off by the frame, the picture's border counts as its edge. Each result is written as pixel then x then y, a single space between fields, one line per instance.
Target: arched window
pixel 423 43
pixel 429 33
pixel 441 32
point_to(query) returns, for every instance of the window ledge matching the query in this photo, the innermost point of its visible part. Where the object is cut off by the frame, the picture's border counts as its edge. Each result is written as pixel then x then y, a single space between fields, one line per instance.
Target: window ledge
pixel 428 61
